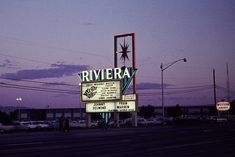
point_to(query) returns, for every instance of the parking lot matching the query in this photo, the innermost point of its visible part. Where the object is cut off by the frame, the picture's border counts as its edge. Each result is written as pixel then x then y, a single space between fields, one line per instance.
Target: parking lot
pixel 168 140
pixel 78 124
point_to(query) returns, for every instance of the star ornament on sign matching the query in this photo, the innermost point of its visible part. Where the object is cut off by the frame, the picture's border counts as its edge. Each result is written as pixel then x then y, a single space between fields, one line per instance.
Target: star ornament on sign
pixel 124 52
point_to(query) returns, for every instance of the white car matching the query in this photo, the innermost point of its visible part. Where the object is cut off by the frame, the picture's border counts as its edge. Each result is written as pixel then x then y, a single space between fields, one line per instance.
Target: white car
pixel 6 128
pixel 30 125
pixel 24 125
pixel 74 124
pixel 221 120
pixel 81 124
pixel 40 124
pixel 153 121
pixel 141 121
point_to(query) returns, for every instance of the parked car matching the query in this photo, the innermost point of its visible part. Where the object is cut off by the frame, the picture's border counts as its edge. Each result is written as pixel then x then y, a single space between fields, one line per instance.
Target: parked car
pixel 141 121
pixel 75 124
pixel 54 125
pixel 24 125
pixel 154 121
pixel 79 124
pixel 221 120
pixel 40 124
pixel 6 128
pixel 82 124
pixel 94 124
pixel 19 126
pixel 126 122
pixel 169 120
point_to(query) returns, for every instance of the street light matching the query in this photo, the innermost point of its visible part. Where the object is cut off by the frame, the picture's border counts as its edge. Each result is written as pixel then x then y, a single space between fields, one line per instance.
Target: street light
pixel 19 100
pixel 164 67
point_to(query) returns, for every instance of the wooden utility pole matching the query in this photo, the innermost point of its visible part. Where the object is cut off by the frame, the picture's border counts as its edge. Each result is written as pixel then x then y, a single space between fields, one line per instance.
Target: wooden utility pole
pixel 214 85
pixel 228 84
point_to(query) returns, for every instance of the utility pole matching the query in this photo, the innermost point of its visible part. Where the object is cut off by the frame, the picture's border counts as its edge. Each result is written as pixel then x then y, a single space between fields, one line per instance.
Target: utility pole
pixel 228 84
pixel 228 88
pixel 214 85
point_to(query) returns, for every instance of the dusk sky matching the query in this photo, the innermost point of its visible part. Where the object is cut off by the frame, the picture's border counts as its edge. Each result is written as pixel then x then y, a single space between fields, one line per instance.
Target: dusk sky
pixel 45 43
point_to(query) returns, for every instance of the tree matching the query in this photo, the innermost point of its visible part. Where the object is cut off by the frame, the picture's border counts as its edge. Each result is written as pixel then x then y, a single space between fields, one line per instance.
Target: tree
pixel 14 115
pixel 232 107
pixel 175 111
pixel 36 114
pixel 146 111
pixel 5 118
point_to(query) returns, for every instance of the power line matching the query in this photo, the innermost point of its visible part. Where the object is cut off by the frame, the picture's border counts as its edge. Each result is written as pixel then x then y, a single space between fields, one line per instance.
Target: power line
pixel 176 92
pixel 9 85
pixel 27 59
pixel 200 86
pixel 223 89
pixel 40 82
pixel 169 91
pixel 36 89
pixel 175 88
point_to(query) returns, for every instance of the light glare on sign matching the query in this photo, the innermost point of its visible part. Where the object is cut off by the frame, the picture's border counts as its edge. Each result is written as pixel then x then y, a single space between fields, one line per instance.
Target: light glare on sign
pixel 223 106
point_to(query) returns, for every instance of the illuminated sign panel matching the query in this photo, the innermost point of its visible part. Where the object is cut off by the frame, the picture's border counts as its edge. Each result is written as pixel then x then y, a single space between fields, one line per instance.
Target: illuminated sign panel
pixel 100 107
pixel 129 97
pixel 101 91
pixel 120 106
pixel 126 106
pixel 223 106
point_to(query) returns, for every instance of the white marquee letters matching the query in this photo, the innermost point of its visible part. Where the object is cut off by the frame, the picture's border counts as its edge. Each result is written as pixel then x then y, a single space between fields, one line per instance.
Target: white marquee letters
pixel 102 74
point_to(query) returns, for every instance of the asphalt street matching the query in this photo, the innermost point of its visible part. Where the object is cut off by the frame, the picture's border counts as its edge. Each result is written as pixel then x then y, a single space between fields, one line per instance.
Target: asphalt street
pixel 190 141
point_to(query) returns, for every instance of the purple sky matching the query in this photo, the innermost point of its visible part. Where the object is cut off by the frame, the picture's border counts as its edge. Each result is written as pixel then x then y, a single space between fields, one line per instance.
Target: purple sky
pixel 47 42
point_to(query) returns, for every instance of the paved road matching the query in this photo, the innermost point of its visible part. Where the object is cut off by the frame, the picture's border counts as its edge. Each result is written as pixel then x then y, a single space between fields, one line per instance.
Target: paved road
pixel 183 141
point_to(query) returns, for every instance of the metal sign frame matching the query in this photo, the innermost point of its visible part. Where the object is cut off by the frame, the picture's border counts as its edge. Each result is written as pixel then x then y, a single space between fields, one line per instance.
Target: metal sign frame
pixel 116 37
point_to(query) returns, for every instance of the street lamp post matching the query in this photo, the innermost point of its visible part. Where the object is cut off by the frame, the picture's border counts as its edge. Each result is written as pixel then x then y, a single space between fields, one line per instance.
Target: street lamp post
pixel 19 100
pixel 164 67
pixel 80 105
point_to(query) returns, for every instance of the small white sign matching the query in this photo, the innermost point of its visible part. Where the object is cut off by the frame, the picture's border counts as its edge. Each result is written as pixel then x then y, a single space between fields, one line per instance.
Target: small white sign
pixel 223 106
pixel 126 106
pixel 101 91
pixel 129 97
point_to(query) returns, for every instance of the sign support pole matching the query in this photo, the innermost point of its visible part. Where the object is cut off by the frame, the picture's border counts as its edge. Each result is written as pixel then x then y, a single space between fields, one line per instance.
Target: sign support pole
pixel 116 119
pixel 134 114
pixel 88 120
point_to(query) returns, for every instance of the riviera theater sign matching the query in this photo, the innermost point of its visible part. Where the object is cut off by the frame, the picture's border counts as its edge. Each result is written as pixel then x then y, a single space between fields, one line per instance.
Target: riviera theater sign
pixel 106 90
pixel 105 74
